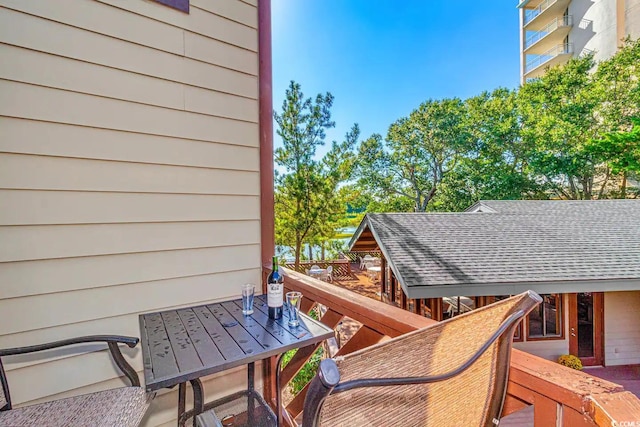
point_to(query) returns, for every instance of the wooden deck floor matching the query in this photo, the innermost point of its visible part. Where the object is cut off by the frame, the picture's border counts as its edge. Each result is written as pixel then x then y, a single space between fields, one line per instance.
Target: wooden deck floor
pixel 359 283
pixel 628 376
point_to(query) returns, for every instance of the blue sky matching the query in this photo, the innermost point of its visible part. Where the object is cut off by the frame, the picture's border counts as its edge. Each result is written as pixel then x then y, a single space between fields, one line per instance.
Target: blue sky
pixel 382 58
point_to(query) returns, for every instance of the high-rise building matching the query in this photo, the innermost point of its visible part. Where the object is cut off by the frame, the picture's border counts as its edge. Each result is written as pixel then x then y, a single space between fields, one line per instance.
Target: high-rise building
pixel 552 31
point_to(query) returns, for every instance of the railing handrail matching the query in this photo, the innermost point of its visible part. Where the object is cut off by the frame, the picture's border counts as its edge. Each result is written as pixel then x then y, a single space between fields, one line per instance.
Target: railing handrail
pixel 548 55
pixel 531 14
pixel 532 380
pixel 559 22
pixel 380 316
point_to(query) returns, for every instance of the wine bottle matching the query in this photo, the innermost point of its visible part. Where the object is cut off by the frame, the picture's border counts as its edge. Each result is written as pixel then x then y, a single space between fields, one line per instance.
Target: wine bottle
pixel 275 291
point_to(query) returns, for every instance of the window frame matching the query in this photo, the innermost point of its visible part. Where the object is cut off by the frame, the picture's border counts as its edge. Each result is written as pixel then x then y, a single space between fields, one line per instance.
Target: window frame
pixel 181 5
pixel 560 314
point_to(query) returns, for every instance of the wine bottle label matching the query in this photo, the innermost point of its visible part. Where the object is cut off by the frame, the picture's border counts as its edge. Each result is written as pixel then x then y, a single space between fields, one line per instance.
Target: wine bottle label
pixel 275 293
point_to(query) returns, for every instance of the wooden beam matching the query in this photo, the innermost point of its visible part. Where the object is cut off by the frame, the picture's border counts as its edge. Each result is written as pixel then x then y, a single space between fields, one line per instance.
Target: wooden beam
pixel 435 305
pixel 545 411
pixel 392 292
pixel 381 317
pixel 331 319
pixel 416 306
pixel 363 338
pixel 383 276
pixel 611 409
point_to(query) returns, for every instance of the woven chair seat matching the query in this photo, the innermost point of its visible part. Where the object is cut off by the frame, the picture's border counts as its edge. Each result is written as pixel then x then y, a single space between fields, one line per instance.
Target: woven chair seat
pixel 119 407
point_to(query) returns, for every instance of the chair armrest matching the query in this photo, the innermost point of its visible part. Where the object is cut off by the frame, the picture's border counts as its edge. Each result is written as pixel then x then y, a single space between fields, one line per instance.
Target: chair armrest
pixel 130 341
pixel 320 387
pixel 111 340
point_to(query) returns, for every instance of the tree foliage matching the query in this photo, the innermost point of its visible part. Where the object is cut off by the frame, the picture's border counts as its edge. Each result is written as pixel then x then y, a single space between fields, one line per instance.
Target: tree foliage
pixel 307 197
pixel 558 113
pixel 558 136
pixel 572 134
pixel 418 152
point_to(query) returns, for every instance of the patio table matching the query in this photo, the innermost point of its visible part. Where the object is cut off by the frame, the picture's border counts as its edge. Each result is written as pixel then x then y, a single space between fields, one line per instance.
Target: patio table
pixel 183 345
pixel 375 269
pixel 317 272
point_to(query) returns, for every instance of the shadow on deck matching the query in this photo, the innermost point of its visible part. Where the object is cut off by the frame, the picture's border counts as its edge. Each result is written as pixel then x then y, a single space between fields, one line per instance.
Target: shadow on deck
pixel 359 282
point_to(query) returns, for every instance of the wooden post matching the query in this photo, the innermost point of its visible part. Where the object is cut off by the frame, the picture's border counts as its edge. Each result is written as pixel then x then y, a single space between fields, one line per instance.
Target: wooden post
pixel 383 277
pixel 404 300
pixel 416 306
pixel 392 292
pixel 435 305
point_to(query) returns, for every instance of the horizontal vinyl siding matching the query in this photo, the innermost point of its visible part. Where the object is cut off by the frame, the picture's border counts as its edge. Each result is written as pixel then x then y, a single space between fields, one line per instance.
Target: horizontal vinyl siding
pixel 129 178
pixel 51 207
pixel 60 39
pixel 57 139
pixel 622 328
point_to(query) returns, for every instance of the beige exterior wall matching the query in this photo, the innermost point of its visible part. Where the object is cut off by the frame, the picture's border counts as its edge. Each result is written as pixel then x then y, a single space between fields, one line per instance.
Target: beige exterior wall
pixel 129 176
pixel 595 27
pixel 632 18
pixel 622 328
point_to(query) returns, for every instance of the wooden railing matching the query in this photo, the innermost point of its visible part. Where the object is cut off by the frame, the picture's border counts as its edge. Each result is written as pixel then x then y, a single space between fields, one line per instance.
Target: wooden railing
pixel 341 267
pixel 560 396
pixel 356 255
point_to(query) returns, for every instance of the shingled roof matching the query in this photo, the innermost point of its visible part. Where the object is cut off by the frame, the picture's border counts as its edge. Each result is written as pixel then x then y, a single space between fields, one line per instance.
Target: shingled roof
pixel 547 246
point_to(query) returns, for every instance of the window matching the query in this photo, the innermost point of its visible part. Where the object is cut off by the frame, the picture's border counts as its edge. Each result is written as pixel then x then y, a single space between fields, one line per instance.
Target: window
pixel 545 321
pixel 517 335
pixel 182 5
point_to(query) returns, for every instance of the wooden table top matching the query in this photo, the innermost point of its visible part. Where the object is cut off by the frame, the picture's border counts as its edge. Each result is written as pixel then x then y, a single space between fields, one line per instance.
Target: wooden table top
pixel 189 343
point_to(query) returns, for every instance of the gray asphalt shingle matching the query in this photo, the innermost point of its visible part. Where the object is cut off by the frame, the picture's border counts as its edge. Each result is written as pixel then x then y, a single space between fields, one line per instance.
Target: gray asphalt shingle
pixel 522 241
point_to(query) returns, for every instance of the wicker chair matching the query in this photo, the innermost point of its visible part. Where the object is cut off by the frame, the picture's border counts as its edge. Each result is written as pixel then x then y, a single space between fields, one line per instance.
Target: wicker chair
pixel 453 373
pixel 119 407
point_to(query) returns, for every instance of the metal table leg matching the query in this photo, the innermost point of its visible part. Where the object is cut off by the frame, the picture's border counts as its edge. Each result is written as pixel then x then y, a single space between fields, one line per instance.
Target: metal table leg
pixel 198 398
pixel 198 402
pixel 278 392
pixel 250 386
pixel 181 404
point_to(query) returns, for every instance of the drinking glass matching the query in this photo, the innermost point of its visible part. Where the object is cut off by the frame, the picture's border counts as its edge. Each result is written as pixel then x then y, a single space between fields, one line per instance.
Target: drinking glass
pixel 248 291
pixel 293 304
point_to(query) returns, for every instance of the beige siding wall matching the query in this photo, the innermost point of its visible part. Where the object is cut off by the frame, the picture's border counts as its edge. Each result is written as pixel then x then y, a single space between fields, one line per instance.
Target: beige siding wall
pixel 129 176
pixel 622 328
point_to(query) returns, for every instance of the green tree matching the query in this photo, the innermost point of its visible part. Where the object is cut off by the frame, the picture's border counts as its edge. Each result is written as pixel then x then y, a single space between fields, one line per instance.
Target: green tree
pixel 496 165
pixel 620 151
pixel 418 153
pixel 558 116
pixel 307 200
pixel 617 87
pixel 616 84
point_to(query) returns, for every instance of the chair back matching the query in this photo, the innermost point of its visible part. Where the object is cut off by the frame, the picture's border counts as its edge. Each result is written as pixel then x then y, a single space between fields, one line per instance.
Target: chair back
pixel 315 267
pixel 4 389
pixel 330 269
pixel 471 374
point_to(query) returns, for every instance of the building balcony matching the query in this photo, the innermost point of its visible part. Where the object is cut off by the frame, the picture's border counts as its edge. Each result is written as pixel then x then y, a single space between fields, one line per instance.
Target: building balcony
pixel 557 55
pixel 557 395
pixel 535 19
pixel 553 34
